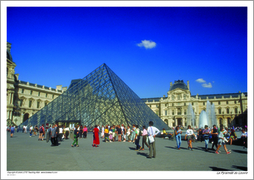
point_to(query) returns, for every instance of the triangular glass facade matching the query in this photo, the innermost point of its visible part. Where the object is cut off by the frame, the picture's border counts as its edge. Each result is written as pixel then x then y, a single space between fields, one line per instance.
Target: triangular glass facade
pixel 100 98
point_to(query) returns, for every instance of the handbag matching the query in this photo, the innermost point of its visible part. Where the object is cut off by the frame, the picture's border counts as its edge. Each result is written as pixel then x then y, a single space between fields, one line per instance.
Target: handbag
pixel 151 139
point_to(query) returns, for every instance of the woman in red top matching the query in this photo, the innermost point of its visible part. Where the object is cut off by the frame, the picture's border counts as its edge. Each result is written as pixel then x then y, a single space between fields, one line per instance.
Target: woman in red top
pixel 96 139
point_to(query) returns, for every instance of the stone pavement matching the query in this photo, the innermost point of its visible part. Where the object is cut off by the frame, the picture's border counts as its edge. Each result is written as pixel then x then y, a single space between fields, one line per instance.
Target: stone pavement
pixel 26 153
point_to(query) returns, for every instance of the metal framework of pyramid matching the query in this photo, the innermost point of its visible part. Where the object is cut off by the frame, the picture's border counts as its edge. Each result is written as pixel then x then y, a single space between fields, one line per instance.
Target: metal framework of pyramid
pixel 101 98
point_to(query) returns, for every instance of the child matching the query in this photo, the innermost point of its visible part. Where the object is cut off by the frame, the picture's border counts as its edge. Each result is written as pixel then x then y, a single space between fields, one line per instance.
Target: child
pixel 106 134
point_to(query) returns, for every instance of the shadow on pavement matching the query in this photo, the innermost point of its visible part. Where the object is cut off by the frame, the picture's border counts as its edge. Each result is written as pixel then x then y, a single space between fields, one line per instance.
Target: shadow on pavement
pixel 132 148
pixel 142 154
pixel 240 167
pixel 218 169
pixel 239 151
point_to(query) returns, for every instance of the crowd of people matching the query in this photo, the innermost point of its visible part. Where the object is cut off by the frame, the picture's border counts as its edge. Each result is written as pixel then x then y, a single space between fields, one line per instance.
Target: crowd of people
pixel 120 133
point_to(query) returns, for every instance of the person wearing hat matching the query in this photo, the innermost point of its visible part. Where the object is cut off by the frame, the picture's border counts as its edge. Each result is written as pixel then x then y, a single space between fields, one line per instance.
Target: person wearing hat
pixel 206 133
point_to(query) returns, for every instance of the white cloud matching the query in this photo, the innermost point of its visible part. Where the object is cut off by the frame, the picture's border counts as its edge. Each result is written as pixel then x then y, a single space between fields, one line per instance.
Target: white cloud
pixel 200 80
pixel 205 85
pixel 147 44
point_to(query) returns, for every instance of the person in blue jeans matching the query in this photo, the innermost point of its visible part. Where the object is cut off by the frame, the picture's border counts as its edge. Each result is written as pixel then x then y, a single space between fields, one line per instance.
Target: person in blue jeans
pixel 206 132
pixel 178 134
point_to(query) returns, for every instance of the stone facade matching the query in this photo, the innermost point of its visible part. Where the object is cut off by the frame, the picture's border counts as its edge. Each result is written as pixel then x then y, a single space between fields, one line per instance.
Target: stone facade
pixel 229 108
pixel 24 99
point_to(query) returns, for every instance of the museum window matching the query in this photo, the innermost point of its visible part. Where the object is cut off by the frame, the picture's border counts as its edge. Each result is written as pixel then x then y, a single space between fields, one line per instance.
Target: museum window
pixel 172 104
pixel 227 102
pixel 173 112
pixel 21 102
pixel 203 103
pixel 178 97
pixel 22 91
pixel 184 112
pixel 52 96
pixel 219 111
pixel 39 93
pixel 31 92
pixel 219 102
pixel 30 103
pixel 192 104
pixel 184 96
pixel 184 104
pixel 38 104
pixel 46 95
pixel 46 103
pixel 179 112
pixel 173 98
pixel 166 112
pixel 235 102
pixel 235 110
pixel 227 110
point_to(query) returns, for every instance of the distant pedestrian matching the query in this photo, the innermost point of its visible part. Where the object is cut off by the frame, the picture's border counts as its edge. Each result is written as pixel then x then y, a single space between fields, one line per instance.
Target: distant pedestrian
pixel 190 137
pixel 119 133
pixel 53 135
pixel 128 133
pixel 76 135
pixel 41 129
pixel 35 130
pixel 214 134
pixel 12 131
pixel 31 131
pixel 84 132
pixel 152 132
pixel 137 138
pixel 232 137
pixel 96 139
pixel 80 131
pixel 178 136
pixel 106 134
pixel 222 140
pixel 206 134
pixel 144 136
pixel 244 137
pixel 102 132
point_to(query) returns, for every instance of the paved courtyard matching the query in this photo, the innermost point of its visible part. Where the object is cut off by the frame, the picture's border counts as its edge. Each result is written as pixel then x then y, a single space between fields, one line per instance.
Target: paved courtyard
pixel 26 153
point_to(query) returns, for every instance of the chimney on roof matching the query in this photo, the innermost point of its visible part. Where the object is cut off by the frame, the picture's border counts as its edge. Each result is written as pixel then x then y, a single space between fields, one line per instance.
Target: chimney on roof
pixel 188 85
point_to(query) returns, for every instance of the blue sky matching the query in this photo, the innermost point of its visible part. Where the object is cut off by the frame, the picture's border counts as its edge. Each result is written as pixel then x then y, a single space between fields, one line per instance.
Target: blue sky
pixel 147 47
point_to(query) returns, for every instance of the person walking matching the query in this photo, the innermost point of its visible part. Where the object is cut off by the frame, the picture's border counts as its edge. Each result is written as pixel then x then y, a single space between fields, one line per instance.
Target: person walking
pixel 41 132
pixel 31 131
pixel 144 136
pixel 53 134
pixel 137 138
pixel 206 134
pixel 96 137
pixel 214 134
pixel 119 133
pixel 222 140
pixel 102 132
pixel 84 132
pixel 190 137
pixel 76 135
pixel 152 132
pixel 178 136
pixel 12 130
pixel 128 133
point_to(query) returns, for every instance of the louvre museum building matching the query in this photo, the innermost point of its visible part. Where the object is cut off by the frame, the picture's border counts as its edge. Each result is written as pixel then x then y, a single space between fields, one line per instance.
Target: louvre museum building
pixel 103 98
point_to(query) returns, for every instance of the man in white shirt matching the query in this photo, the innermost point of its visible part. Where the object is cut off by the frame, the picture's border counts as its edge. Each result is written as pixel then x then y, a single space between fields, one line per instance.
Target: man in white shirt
pixel 152 131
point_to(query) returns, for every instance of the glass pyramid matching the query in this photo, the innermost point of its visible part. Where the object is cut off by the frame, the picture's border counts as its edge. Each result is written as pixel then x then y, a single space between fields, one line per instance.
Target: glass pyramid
pixel 101 98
